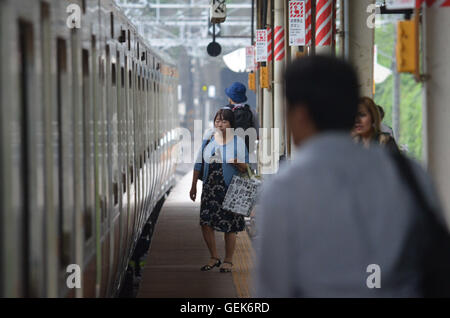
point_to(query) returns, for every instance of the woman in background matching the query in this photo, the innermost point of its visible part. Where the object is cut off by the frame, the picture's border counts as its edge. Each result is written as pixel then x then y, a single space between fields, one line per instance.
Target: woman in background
pixel 225 155
pixel 368 126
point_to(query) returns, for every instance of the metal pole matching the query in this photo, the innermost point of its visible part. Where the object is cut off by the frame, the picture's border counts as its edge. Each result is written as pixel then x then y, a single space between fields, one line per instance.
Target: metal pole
pixel 342 28
pixel 346 29
pixel 279 64
pixel 396 101
pixel 266 148
pixel 253 23
pixel 312 49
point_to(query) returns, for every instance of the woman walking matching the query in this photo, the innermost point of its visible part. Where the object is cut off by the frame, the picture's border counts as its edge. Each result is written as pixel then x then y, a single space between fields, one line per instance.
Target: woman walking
pixel 225 155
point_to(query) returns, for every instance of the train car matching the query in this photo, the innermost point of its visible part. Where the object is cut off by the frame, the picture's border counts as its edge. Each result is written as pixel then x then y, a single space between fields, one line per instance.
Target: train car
pixel 88 144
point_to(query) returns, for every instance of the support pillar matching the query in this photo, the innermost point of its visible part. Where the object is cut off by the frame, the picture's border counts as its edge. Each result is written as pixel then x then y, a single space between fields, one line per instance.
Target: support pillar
pixel 266 147
pixel 360 39
pixel 279 65
pixel 436 112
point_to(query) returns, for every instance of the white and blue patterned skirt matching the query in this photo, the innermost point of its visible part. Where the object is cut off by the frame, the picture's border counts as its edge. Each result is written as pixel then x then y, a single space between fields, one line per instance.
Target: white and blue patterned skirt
pixel 213 194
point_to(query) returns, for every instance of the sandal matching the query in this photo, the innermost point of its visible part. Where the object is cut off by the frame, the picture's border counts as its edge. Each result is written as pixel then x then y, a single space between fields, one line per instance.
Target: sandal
pixel 209 267
pixel 226 270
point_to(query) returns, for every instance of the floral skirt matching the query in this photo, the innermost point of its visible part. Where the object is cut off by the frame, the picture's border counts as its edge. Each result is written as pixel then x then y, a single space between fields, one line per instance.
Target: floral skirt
pixel 213 194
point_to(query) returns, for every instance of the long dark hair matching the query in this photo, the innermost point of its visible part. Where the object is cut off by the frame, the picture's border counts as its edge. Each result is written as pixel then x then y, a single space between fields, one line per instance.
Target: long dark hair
pixel 225 114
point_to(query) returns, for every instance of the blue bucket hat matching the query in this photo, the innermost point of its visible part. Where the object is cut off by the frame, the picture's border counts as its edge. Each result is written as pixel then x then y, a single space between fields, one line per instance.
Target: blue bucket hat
pixel 237 92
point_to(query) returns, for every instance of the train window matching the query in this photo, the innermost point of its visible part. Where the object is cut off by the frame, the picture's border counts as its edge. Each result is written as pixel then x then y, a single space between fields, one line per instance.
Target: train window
pixel 83 4
pixel 124 182
pixel 26 67
pixel 116 193
pixel 112 25
pixel 131 174
pixel 85 57
pixel 101 70
pixel 122 76
pixel 113 74
pixel 86 109
pixel 103 210
pixel 138 50
pixel 139 82
pixel 64 233
pixel 129 40
pixel 129 78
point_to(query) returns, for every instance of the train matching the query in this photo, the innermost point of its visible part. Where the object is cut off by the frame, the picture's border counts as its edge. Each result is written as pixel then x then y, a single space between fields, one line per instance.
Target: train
pixel 89 145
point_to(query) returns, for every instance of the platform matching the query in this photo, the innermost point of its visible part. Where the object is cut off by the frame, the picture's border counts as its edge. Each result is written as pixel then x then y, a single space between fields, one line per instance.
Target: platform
pixel 178 251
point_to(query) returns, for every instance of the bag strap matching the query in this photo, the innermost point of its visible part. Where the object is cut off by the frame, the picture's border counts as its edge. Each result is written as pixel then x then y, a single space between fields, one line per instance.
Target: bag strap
pixel 204 147
pixel 436 261
pixel 406 172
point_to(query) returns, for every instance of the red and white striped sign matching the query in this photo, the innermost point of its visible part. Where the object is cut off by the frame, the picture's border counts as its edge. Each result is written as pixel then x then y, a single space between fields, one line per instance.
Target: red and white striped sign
pixel 308 23
pixel 433 3
pixel 278 43
pixel 324 22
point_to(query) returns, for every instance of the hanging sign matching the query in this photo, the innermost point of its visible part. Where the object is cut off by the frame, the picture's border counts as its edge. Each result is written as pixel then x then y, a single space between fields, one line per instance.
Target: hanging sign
pixel 400 4
pixel 261 45
pixel 297 17
pixel 250 58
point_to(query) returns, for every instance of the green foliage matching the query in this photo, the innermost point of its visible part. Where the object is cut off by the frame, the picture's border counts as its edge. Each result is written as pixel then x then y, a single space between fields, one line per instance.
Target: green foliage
pixel 410 96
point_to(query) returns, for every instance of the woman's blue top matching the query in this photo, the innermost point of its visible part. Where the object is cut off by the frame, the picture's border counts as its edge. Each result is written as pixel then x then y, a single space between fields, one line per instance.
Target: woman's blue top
pixel 234 149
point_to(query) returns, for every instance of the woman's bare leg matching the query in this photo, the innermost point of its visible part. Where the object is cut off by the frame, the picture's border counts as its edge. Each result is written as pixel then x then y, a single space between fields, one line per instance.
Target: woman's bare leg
pixel 230 245
pixel 210 240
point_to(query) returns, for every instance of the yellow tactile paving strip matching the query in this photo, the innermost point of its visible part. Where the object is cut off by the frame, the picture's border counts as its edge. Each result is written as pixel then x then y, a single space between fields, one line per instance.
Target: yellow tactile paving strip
pixel 243 265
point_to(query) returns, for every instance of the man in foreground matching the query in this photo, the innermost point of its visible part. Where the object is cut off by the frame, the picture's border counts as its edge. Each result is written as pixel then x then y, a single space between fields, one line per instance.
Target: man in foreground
pixel 341 220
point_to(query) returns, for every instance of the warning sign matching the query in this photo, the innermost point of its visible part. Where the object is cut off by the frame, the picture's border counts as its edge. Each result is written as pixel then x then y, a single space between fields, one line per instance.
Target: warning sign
pixel 261 45
pixel 297 17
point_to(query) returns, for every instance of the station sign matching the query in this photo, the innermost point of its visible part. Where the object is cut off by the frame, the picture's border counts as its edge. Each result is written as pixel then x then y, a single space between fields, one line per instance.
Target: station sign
pixel 400 4
pixel 297 23
pixel 261 45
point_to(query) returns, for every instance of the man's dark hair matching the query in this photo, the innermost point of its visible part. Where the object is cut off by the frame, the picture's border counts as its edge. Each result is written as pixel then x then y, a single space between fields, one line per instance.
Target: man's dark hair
pixel 225 114
pixel 327 87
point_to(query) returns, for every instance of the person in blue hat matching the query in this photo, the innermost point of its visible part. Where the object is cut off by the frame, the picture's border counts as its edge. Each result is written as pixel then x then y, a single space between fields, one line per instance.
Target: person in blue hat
pixel 243 114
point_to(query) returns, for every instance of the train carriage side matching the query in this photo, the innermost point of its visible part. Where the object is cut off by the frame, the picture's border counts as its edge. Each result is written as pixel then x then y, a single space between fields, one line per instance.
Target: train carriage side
pixel 82 144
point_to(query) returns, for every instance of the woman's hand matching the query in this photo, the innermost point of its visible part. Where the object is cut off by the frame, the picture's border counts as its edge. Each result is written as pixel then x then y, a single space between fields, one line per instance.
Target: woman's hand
pixel 193 193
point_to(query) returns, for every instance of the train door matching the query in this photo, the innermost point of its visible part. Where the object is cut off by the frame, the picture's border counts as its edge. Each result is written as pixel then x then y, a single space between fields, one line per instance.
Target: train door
pixel 78 146
pixel 12 161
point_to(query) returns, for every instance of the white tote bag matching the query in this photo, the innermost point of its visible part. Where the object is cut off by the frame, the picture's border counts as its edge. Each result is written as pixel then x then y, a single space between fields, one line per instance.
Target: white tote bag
pixel 242 194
